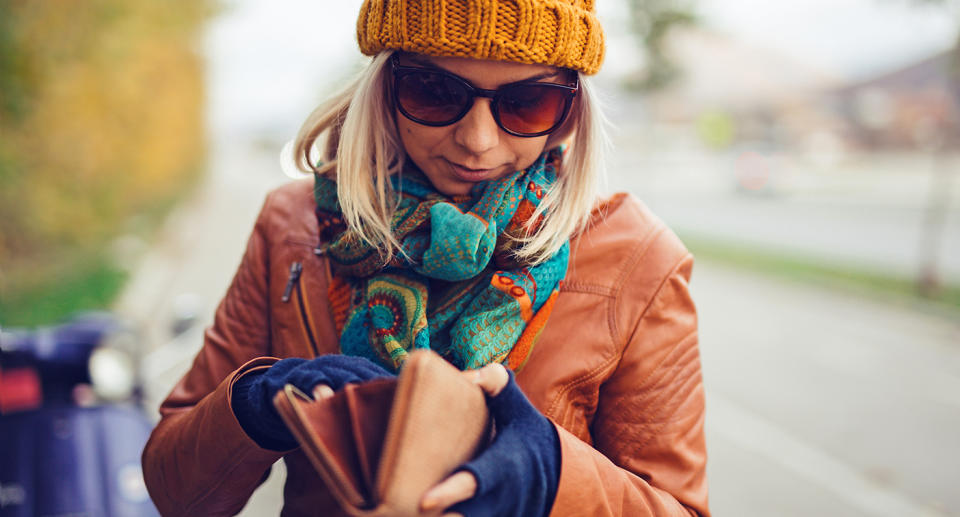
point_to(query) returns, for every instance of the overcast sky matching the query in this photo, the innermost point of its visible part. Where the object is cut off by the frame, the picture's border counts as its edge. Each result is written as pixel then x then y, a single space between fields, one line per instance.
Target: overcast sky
pixel 270 62
pixel 855 37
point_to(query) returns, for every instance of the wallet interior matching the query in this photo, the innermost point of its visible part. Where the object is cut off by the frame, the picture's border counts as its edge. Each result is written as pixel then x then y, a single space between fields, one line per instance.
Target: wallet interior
pixel 381 444
pixel 346 433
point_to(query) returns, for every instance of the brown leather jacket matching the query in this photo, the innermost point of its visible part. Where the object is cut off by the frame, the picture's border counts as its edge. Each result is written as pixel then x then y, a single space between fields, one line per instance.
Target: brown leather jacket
pixel 617 369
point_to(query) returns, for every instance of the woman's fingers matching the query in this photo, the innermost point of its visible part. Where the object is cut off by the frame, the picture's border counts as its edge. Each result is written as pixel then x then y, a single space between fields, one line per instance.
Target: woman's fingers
pixel 322 391
pixel 492 378
pixel 456 488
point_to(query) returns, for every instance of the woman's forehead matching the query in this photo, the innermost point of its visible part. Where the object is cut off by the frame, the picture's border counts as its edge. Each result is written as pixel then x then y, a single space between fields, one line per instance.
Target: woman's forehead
pixel 484 73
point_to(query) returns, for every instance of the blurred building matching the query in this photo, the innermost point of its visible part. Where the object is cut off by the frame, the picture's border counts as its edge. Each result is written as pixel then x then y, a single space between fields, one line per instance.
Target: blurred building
pixel 722 73
pixel 776 101
pixel 915 106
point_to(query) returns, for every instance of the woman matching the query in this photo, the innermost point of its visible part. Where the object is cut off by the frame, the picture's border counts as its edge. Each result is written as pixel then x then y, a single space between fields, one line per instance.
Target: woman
pixel 455 208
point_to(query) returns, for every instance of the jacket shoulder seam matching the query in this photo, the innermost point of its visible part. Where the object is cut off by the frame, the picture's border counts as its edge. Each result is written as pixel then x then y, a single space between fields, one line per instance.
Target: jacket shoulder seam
pixel 275 210
pixel 637 253
pixel 673 271
pixel 643 314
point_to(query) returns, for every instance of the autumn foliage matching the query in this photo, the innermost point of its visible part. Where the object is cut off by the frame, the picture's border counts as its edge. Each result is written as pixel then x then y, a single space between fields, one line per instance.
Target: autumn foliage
pixel 101 118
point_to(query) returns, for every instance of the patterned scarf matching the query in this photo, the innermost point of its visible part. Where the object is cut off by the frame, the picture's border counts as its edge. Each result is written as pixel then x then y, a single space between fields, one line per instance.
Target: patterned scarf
pixel 457 288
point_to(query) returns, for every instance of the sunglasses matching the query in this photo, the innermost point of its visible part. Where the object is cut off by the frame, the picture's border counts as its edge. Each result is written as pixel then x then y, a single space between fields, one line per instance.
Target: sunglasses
pixel 435 97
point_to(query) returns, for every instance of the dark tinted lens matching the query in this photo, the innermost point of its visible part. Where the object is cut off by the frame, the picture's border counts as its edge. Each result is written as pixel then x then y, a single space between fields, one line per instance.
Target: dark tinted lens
pixel 431 97
pixel 532 108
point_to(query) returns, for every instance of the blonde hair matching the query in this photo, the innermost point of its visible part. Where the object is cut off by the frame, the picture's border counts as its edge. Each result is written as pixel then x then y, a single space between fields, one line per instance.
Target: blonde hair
pixel 362 149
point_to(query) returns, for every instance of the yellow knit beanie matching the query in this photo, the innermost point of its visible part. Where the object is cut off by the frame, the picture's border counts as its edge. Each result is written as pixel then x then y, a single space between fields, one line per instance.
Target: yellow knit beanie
pixel 562 33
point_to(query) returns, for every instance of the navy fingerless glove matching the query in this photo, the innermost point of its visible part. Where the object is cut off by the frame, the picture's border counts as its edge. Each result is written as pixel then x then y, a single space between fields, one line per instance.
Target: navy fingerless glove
pixel 517 474
pixel 253 393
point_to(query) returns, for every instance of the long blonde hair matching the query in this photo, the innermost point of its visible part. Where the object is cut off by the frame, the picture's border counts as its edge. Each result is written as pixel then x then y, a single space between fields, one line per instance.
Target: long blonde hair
pixel 362 149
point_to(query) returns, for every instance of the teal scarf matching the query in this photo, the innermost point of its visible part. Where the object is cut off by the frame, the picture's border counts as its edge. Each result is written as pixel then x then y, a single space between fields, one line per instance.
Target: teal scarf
pixel 457 287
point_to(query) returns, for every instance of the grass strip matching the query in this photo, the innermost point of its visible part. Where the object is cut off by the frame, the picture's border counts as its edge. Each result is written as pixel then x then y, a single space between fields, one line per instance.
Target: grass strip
pixel 817 271
pixel 48 294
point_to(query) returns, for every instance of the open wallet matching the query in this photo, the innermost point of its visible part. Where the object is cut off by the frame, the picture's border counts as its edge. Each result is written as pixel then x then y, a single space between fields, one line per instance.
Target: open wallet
pixel 380 445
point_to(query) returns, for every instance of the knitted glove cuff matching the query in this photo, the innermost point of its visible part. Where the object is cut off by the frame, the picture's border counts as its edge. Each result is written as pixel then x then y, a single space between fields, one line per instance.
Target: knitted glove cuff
pixel 252 398
pixel 259 419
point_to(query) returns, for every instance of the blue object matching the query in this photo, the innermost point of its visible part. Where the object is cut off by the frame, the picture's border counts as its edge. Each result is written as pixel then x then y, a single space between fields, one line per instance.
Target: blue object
pixel 74 461
pixel 60 354
pixel 517 475
pixel 253 393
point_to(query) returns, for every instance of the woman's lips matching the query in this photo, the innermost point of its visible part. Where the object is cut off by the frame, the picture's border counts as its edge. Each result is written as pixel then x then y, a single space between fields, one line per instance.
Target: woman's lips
pixel 469 174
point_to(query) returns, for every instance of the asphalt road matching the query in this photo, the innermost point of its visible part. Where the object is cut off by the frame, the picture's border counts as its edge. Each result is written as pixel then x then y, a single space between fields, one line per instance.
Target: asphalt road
pixel 891 213
pixel 825 403
pixel 819 402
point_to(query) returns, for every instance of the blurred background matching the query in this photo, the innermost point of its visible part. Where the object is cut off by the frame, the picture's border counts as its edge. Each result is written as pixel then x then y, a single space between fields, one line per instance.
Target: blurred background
pixel 806 151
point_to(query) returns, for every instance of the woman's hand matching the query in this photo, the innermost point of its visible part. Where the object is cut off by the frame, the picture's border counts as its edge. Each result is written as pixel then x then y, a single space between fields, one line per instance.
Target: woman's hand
pixel 462 485
pixel 518 473
pixel 252 396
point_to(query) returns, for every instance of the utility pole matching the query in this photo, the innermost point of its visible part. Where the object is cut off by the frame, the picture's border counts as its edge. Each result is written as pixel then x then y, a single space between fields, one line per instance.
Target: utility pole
pixel 941 181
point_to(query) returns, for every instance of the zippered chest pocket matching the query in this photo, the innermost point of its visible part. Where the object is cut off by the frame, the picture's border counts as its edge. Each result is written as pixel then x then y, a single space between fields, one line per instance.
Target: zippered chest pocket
pixel 294 293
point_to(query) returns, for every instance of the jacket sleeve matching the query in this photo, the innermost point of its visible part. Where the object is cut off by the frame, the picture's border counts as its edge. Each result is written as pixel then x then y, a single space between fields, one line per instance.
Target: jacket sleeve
pixel 648 453
pixel 198 460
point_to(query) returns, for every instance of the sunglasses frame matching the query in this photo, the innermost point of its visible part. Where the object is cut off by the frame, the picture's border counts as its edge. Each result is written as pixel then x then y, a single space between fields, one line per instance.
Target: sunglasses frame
pixel 473 92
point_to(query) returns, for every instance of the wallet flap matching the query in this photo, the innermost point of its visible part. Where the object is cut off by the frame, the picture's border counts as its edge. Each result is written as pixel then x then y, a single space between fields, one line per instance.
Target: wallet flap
pixel 439 420
pixel 324 432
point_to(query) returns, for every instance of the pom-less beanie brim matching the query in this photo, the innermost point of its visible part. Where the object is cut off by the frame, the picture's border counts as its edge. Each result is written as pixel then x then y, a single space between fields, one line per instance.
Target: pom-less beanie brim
pixel 562 33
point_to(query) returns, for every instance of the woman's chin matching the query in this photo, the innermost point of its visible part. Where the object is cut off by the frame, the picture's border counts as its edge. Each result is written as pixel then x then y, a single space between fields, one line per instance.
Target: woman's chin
pixel 453 188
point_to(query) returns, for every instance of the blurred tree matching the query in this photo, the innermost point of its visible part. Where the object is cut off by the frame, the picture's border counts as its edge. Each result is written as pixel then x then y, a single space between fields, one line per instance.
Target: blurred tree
pixel 651 22
pixel 930 282
pixel 101 119
pixel 716 128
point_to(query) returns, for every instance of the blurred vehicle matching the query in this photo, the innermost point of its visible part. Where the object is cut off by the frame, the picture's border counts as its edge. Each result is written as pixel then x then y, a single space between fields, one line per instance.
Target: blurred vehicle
pixel 71 421
pixel 757 168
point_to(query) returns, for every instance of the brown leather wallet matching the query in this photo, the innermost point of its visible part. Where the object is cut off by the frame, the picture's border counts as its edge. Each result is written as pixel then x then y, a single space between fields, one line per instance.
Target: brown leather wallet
pixel 381 444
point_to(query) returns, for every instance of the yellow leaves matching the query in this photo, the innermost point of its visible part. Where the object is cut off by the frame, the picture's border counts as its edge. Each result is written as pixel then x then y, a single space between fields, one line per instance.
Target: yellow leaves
pixel 112 121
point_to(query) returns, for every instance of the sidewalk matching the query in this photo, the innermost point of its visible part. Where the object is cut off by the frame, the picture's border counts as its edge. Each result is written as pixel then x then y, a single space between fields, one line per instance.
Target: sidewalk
pixel 197 253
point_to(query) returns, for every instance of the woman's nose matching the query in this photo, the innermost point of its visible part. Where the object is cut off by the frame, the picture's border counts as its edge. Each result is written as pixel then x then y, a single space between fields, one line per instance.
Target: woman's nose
pixel 477 131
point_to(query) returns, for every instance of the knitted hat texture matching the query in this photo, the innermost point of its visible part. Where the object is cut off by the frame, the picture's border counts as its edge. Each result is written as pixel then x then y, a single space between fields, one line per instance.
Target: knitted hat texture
pixel 562 33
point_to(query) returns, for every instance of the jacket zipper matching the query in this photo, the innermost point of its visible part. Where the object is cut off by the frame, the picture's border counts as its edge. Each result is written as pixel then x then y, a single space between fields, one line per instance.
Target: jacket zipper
pixel 296 269
pixel 293 282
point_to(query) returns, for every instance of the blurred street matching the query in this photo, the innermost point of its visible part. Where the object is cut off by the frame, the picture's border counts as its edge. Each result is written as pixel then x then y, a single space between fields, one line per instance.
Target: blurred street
pixel 819 402
pixel 867 212
pixel 806 151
